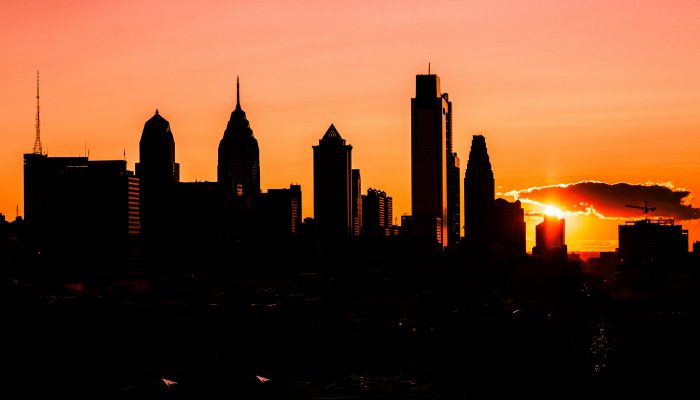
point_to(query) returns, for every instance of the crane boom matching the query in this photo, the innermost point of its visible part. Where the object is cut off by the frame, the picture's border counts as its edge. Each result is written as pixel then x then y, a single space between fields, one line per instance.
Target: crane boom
pixel 645 209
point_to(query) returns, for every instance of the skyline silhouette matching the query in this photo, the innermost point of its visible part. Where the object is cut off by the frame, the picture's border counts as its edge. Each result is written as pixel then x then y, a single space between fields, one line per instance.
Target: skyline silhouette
pixel 557 89
pixel 593 199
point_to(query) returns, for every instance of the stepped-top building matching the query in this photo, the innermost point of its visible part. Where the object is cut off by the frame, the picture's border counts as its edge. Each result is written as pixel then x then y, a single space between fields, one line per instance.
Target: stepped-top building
pixel 479 194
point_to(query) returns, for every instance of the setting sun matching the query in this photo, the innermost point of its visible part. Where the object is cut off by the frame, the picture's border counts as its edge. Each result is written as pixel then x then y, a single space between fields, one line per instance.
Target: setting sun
pixel 553 211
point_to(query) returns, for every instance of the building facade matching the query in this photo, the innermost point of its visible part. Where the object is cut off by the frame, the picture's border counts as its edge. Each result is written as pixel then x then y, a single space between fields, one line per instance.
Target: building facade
pixel 83 217
pixel 429 197
pixel 509 227
pixel 158 173
pixel 550 238
pixel 377 214
pixel 479 194
pixel 332 188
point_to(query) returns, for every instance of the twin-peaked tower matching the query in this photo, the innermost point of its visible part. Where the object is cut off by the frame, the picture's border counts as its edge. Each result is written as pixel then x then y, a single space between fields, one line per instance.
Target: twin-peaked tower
pixel 238 170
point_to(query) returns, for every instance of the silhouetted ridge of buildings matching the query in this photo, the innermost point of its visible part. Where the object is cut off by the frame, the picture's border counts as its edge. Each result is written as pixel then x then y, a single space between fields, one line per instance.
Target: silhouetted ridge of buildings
pixel 332 188
pixel 239 159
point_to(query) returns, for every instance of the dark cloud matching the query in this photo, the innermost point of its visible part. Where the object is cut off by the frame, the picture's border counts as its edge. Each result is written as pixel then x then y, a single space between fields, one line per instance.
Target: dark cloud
pixel 608 200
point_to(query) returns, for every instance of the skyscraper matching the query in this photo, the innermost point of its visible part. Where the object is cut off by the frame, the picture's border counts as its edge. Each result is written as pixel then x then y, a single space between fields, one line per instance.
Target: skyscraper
pixel 509 227
pixel 377 213
pixel 429 116
pixel 356 201
pixel 479 194
pixel 454 228
pixel 652 241
pixel 550 238
pixel 239 159
pixel 332 191
pixel 157 172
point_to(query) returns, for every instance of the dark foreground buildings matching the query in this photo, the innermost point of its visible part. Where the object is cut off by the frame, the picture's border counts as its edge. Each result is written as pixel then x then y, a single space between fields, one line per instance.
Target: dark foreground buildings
pixel 82 216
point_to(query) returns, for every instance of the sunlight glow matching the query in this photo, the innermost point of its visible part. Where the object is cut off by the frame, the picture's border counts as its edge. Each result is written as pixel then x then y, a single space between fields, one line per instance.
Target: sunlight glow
pixel 553 211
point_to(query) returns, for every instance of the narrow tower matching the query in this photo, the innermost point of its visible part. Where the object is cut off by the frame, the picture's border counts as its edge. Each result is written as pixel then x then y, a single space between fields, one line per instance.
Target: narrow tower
pixel 37 140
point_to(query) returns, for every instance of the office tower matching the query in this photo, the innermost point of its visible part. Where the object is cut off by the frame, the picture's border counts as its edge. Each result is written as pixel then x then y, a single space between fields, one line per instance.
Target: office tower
pixel 509 227
pixel 479 194
pixel 550 238
pixel 157 172
pixel 280 212
pixel 332 191
pixel 82 216
pixel 239 161
pixel 651 241
pixel 454 226
pixel 377 214
pixel 429 152
pixel 356 201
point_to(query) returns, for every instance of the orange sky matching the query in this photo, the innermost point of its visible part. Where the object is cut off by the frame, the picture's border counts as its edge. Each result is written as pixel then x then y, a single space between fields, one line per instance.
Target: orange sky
pixel 563 91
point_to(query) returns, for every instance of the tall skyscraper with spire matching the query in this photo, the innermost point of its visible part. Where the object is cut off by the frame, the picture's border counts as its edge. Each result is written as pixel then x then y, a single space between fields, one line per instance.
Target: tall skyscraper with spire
pixel 429 116
pixel 238 170
pixel 332 188
pixel 479 194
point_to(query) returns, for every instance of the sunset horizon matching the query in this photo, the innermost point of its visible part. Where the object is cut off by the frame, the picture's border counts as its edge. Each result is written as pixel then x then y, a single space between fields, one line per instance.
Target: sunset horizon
pixel 600 92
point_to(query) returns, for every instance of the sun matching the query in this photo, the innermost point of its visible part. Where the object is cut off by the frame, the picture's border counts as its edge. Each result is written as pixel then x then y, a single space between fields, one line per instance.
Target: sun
pixel 553 211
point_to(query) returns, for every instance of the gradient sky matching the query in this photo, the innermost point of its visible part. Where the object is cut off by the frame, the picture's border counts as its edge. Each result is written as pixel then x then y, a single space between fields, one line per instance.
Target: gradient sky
pixel 563 91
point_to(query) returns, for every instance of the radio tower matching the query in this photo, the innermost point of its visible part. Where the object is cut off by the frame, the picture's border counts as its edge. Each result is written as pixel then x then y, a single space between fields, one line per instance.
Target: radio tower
pixel 37 140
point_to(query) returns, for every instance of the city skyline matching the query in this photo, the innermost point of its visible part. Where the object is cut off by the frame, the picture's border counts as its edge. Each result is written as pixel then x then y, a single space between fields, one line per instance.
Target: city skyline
pixel 634 97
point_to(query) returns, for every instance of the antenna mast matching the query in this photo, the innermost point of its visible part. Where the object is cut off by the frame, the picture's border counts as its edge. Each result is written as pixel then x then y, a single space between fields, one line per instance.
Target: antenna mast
pixel 37 140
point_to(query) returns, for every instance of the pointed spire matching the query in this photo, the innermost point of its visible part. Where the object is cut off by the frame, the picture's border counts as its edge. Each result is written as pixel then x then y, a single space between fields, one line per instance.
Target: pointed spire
pixel 157 112
pixel 238 93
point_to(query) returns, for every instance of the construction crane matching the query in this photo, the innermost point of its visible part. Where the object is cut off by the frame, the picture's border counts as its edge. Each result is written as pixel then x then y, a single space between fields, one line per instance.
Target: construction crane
pixel 644 209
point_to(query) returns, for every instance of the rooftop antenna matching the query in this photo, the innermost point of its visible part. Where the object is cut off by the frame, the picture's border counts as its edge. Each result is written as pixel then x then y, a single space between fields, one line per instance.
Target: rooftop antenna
pixel 37 140
pixel 16 212
pixel 238 92
pixel 428 68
